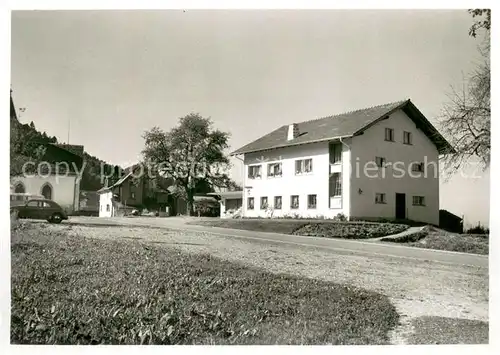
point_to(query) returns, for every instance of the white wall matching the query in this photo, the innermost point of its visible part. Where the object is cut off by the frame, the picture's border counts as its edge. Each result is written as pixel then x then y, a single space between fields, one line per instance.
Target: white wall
pixel 105 199
pixel 366 147
pixel 63 188
pixel 290 184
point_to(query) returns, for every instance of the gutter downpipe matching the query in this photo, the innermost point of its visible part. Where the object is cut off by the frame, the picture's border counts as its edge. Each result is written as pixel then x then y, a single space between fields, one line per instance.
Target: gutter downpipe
pixel 350 188
pixel 243 208
pixel 344 143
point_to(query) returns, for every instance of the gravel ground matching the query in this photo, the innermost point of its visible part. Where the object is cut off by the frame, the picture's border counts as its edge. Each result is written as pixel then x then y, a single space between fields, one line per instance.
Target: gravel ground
pixel 417 288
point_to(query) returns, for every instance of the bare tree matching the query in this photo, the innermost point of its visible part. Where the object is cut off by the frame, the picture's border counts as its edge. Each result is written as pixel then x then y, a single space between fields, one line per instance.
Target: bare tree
pixel 466 117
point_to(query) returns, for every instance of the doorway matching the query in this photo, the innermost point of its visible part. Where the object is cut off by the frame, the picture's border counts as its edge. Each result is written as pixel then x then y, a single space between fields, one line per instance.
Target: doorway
pixel 400 206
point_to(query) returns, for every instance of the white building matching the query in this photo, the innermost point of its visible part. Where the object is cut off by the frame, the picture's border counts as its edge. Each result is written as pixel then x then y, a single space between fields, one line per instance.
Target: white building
pixel 56 177
pixel 379 162
pixel 63 189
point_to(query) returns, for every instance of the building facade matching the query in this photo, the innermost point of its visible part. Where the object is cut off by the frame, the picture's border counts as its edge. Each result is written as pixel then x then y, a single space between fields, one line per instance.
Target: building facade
pixel 377 163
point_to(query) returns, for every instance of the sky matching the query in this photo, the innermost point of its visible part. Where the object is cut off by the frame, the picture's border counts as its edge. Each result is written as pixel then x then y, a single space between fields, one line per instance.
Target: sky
pixel 102 78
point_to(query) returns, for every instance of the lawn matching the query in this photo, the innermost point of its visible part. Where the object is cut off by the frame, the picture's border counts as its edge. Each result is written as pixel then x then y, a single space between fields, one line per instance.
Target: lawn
pixel 69 289
pixel 313 228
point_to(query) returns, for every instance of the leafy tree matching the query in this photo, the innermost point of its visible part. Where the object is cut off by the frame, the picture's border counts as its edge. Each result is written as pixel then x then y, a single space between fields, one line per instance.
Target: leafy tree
pixel 190 155
pixel 466 117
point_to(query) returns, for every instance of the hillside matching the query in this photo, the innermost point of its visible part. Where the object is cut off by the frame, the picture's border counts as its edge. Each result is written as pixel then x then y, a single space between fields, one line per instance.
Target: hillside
pixel 25 141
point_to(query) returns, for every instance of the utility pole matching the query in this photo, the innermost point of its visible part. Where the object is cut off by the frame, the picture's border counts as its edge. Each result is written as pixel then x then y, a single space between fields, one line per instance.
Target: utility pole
pixel 69 122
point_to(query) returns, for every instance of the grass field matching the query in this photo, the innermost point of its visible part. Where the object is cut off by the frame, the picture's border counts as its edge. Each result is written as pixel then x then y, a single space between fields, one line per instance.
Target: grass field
pixel 69 289
pixel 441 240
pixel 313 228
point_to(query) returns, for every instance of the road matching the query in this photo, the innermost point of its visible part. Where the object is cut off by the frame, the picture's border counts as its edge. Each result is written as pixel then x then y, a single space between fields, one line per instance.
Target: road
pixel 336 245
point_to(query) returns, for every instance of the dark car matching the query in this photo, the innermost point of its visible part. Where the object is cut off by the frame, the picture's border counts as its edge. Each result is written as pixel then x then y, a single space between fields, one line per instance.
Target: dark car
pixel 41 209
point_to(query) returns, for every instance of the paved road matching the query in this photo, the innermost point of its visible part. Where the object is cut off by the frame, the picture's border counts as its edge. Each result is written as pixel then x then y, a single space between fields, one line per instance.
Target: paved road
pixel 340 245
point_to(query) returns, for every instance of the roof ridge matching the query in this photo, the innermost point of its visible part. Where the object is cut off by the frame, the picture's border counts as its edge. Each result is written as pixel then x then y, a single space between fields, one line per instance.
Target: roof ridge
pixel 353 111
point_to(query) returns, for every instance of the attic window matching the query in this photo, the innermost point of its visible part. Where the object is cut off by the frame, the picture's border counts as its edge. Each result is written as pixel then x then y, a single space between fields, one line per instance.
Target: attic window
pixel 418 167
pixel 407 137
pixel 389 134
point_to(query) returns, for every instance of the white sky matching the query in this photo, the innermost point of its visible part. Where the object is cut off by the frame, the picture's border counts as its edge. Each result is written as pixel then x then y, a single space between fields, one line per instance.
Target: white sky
pixel 116 74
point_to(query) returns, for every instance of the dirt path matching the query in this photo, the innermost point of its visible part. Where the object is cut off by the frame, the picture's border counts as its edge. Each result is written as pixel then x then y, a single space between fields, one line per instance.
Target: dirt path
pixel 416 288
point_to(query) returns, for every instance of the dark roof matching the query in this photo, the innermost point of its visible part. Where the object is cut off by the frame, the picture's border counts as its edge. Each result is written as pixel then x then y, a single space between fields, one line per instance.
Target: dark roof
pixel 228 194
pixel 72 148
pixel 344 125
pixel 449 214
pixel 116 184
pixel 132 168
pixel 13 114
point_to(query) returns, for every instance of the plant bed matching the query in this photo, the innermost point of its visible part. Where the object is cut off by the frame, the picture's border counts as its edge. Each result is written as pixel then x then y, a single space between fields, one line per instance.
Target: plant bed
pixel 69 289
pixel 349 230
pixel 311 227
pixel 258 225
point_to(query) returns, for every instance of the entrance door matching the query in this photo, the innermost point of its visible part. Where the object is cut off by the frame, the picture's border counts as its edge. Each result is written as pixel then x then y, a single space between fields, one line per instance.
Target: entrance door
pixel 400 206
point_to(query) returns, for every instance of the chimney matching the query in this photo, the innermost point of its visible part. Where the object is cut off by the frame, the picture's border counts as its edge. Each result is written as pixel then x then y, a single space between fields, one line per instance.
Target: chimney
pixel 293 131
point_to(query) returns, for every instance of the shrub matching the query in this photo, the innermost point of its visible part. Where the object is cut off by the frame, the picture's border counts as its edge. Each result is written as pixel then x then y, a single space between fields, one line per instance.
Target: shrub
pixel 479 229
pixel 340 218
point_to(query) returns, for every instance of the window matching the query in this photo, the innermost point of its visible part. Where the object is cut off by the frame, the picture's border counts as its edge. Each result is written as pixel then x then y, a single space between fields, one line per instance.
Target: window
pixel 335 185
pixel 380 162
pixel 303 166
pixel 273 169
pixel 380 198
pixel 294 202
pixel 335 153
pixel 389 134
pixel 250 203
pixel 47 191
pixel 407 137
pixel 107 208
pixel 254 171
pixel 418 201
pixel 418 167
pixel 32 204
pixel 263 202
pixel 277 202
pixel 19 188
pixel 311 201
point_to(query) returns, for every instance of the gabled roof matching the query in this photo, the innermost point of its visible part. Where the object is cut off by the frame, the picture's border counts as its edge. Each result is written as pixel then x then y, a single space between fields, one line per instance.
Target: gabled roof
pixel 116 184
pixel 345 125
pixel 132 168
